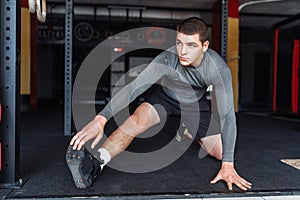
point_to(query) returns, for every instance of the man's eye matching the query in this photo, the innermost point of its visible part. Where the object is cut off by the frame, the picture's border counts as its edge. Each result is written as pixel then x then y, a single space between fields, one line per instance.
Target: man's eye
pixel 178 43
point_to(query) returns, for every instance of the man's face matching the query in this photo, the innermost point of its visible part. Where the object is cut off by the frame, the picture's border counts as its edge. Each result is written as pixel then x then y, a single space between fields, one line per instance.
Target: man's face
pixel 190 50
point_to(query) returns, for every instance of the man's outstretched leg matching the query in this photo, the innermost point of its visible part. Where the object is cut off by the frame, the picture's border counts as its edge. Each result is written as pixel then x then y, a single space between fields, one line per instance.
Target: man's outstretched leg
pixel 144 117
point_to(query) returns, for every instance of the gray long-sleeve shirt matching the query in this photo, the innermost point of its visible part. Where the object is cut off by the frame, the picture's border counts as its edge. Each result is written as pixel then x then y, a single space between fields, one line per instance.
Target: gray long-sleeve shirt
pixel 187 84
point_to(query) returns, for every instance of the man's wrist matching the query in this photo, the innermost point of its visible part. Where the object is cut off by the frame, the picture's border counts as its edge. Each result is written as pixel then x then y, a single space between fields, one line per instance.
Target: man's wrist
pixel 227 164
pixel 101 120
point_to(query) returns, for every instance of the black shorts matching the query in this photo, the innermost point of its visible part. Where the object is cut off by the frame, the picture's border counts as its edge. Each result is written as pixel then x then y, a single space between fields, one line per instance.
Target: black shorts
pixel 196 116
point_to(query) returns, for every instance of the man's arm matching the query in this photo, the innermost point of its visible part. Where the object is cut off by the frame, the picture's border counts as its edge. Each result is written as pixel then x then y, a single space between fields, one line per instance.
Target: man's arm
pixel 153 72
pixel 225 107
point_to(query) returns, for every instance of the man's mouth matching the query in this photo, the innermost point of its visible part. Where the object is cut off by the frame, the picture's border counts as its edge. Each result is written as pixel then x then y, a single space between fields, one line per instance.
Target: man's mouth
pixel 183 59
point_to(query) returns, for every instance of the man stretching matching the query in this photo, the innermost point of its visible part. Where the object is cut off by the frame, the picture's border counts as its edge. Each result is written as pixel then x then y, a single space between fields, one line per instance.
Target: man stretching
pixel 185 72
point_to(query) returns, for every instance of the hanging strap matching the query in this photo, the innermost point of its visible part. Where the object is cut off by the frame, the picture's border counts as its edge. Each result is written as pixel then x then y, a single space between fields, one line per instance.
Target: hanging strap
pixel 40 9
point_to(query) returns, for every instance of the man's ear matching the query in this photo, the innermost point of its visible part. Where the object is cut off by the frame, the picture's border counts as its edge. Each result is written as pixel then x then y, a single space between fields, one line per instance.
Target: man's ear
pixel 205 45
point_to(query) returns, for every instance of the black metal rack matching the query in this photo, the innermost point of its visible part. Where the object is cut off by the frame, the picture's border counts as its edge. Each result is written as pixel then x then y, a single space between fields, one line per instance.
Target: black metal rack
pixel 9 87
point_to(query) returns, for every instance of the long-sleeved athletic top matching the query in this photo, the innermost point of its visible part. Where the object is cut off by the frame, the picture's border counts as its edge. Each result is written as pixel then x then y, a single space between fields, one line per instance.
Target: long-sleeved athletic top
pixel 187 84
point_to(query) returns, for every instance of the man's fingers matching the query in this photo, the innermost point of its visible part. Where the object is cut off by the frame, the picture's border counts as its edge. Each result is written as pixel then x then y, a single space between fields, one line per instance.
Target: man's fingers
pixel 77 143
pixel 229 185
pixel 75 137
pixel 83 140
pixel 246 183
pixel 79 140
pixel 238 181
pixel 216 179
pixel 241 185
pixel 213 181
pixel 96 141
pixel 73 140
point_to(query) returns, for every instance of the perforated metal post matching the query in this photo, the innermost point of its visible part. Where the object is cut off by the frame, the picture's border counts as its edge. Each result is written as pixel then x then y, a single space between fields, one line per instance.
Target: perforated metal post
pixel 68 66
pixel 224 28
pixel 9 89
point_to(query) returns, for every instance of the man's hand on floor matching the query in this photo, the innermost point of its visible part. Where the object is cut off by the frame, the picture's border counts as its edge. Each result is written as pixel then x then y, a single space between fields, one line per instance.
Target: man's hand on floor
pixel 230 176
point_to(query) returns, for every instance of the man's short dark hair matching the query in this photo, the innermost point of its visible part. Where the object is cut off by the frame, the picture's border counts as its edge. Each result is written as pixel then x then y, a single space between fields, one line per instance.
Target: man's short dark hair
pixel 192 26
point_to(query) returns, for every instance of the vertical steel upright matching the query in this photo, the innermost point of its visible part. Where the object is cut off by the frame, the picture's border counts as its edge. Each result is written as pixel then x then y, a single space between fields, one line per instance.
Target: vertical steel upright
pixel 10 90
pixel 224 29
pixel 68 67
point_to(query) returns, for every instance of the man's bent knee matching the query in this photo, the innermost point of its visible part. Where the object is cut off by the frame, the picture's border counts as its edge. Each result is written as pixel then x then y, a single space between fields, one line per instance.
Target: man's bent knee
pixel 217 155
pixel 213 146
pixel 145 116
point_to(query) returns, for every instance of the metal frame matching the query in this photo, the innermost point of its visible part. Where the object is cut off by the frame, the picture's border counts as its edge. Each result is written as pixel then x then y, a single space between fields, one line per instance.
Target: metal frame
pixel 286 21
pixel 10 90
pixel 276 28
pixel 224 28
pixel 68 67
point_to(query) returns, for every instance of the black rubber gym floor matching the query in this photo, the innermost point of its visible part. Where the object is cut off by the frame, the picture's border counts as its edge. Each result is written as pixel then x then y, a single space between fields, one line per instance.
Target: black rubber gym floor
pixel 263 140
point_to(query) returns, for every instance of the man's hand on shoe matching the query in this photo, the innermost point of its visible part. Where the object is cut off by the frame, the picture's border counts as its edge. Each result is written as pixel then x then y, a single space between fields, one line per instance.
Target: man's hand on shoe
pixel 93 129
pixel 230 176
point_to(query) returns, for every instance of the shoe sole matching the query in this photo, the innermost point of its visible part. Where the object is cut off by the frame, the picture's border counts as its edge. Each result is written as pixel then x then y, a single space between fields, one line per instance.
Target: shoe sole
pixel 74 159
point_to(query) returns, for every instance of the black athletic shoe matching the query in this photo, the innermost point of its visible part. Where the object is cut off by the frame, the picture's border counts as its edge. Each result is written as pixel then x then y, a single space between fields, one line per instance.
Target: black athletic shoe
pixel 83 166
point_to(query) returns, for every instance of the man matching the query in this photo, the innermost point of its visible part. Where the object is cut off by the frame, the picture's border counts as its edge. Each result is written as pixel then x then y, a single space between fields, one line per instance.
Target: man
pixel 185 72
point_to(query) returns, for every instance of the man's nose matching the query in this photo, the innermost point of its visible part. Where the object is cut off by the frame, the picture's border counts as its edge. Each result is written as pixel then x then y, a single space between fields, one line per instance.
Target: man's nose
pixel 183 50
